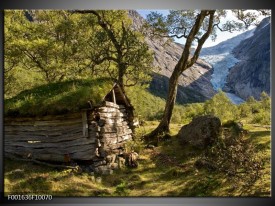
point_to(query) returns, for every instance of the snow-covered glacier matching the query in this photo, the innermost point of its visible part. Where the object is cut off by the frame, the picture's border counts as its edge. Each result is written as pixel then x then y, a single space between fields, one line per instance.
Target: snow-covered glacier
pixel 222 59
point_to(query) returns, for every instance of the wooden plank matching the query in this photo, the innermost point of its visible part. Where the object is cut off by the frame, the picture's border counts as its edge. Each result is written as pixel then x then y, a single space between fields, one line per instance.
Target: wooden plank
pixel 110 104
pixel 44 138
pixel 56 150
pixel 29 128
pixel 45 123
pixel 107 109
pixel 44 118
pixel 124 138
pixel 41 144
pixel 108 135
pixel 118 130
pixel 113 96
pixel 116 124
pixel 112 115
pixel 47 133
pixel 115 146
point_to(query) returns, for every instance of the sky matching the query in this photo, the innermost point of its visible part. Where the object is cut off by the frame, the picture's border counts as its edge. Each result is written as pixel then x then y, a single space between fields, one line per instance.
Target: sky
pixel 221 36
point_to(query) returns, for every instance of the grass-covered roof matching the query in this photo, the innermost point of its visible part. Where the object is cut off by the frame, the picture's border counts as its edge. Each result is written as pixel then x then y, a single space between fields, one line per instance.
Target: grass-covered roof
pixel 58 98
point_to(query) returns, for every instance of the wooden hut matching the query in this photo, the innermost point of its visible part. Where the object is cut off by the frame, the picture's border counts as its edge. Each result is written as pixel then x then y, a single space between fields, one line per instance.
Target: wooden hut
pixel 70 121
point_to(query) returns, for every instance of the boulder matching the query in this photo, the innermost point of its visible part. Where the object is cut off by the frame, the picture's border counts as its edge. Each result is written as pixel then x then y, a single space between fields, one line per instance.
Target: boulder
pixel 201 132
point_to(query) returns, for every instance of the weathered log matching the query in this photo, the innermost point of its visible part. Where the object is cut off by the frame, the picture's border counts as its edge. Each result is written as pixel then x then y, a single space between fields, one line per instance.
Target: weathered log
pixel 124 137
pixel 110 104
pixel 42 144
pixel 45 123
pixel 43 118
pixel 44 138
pixel 118 130
pixel 30 128
pixel 115 146
pixel 107 109
pixel 50 150
pixel 44 133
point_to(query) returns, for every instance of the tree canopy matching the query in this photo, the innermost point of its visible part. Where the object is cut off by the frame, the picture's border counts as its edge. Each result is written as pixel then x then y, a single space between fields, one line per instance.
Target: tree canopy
pixel 45 46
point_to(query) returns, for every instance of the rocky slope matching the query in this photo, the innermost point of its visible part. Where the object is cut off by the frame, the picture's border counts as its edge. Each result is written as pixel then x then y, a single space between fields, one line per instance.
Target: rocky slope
pixel 251 75
pixel 222 59
pixel 194 83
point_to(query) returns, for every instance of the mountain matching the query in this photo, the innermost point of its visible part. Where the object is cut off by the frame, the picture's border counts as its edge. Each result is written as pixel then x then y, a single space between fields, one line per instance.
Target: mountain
pixel 194 83
pixel 251 75
pixel 222 59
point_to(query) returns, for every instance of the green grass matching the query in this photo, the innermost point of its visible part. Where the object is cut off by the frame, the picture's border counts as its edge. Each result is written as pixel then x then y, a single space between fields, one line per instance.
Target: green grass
pixel 58 98
pixel 168 170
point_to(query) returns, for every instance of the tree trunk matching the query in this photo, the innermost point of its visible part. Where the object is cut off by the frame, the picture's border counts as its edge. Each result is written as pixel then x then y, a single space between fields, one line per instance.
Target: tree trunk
pixel 184 63
pixel 164 124
pixel 121 73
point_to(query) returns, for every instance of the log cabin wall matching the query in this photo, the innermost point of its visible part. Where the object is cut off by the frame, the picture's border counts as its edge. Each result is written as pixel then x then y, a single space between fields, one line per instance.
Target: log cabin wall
pixel 97 134
pixel 51 138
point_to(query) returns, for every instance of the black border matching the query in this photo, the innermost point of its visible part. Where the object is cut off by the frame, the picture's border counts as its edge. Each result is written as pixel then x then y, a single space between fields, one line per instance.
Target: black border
pixel 134 4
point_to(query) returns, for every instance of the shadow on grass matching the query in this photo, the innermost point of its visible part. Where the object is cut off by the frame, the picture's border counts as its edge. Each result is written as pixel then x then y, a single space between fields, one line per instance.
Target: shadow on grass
pixel 37 185
pixel 259 134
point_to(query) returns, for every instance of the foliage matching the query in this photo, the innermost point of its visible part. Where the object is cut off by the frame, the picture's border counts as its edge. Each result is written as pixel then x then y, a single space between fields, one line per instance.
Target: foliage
pixel 48 42
pixel 257 111
pixel 234 155
pixel 52 46
pixel 121 189
pixel 58 98
pixel 221 106
pixel 147 106
pixel 117 50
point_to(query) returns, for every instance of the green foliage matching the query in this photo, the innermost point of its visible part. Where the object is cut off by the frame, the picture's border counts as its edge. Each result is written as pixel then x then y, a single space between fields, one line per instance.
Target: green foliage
pixel 185 113
pixel 257 111
pixel 53 46
pixel 50 44
pixel 116 49
pixel 147 106
pixel 121 189
pixel 221 106
pixel 58 98
pixel 234 155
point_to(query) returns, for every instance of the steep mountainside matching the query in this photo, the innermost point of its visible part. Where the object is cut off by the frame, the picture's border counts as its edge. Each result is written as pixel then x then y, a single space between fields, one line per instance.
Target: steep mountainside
pixel 222 59
pixel 194 84
pixel 251 75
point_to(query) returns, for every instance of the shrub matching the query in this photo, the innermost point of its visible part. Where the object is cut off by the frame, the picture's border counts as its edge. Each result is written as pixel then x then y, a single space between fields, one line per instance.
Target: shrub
pixel 221 106
pixel 233 155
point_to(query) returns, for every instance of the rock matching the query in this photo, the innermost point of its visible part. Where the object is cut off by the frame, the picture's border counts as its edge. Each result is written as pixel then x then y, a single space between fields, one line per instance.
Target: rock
pixel 121 162
pixel 111 158
pixel 113 166
pixel 99 163
pixel 150 146
pixel 201 132
pixel 98 180
pixel 92 178
pixel 107 172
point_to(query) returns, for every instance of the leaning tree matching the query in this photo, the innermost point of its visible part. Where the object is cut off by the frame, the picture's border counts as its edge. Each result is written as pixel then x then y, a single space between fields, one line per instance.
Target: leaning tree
pixel 195 27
